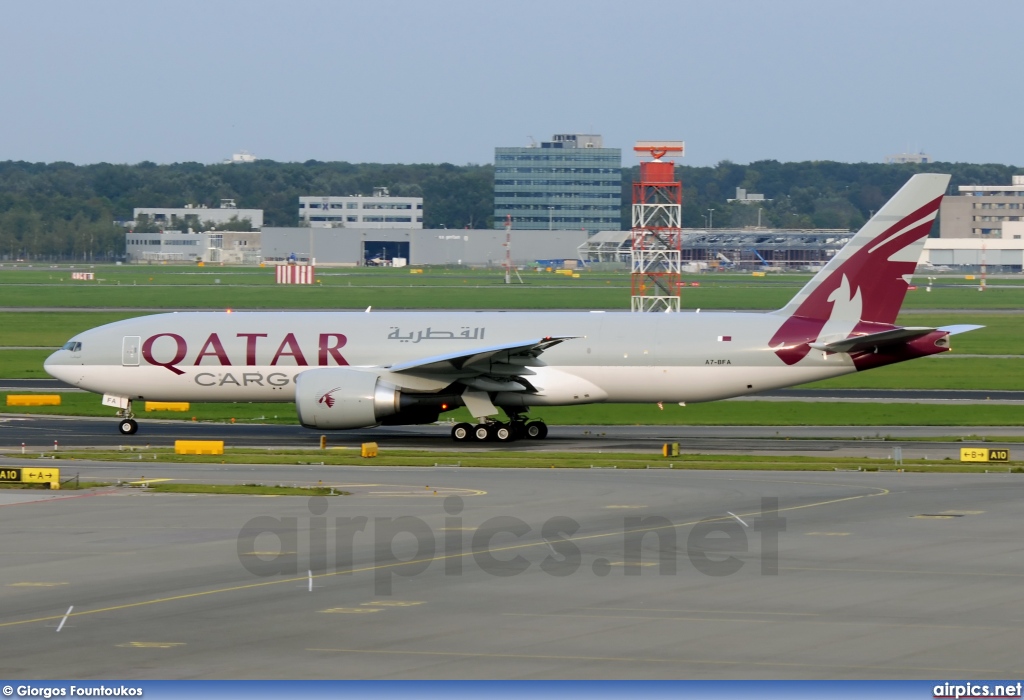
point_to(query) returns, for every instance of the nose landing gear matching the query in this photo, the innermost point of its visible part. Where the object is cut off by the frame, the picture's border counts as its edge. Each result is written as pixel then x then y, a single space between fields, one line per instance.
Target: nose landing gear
pixel 127 426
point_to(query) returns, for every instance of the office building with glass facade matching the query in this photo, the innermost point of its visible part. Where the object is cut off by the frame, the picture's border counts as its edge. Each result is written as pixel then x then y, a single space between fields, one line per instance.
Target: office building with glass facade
pixel 568 183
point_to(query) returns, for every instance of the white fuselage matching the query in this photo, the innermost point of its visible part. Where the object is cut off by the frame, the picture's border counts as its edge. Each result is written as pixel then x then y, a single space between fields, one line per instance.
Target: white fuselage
pixel 610 357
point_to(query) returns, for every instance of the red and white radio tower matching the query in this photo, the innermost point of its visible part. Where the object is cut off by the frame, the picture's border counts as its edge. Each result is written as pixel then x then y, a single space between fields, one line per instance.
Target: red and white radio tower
pixel 657 234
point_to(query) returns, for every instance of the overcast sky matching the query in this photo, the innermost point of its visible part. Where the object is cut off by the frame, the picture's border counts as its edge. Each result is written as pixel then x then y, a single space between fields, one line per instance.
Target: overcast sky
pixel 448 80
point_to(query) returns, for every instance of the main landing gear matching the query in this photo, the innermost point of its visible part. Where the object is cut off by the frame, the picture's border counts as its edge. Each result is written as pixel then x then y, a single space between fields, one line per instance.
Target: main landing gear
pixel 495 431
pixel 127 426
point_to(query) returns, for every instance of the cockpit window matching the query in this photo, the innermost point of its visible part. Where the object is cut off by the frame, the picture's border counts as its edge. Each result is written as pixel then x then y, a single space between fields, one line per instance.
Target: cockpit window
pixel 73 346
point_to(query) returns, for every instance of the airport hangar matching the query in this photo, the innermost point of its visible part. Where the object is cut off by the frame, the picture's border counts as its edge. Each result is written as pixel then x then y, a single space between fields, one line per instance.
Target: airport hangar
pixel 353 246
pixel 725 248
pixel 750 249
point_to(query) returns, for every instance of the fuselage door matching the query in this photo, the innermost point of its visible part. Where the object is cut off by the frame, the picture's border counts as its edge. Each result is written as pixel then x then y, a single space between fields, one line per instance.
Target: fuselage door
pixel 130 350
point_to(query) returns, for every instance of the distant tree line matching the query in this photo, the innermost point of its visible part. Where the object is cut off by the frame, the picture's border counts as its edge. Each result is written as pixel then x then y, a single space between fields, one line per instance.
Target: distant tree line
pixel 144 223
pixel 818 194
pixel 51 211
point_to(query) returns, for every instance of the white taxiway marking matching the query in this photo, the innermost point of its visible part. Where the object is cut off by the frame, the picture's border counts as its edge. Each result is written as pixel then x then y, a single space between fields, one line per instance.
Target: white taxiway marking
pixel 738 518
pixel 61 625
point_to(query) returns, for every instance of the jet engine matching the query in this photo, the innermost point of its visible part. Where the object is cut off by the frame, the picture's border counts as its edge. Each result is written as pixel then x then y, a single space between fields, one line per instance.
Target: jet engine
pixel 340 398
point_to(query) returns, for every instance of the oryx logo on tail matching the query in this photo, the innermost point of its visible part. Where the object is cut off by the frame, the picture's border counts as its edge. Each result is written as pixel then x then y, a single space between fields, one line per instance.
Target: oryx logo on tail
pixel 845 306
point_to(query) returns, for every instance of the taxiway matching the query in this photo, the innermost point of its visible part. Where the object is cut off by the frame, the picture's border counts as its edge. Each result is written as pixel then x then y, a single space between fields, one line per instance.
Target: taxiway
pixel 522 574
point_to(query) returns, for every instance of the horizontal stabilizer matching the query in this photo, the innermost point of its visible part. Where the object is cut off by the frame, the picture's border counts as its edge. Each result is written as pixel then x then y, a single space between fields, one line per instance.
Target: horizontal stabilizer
pixel 873 340
pixel 960 328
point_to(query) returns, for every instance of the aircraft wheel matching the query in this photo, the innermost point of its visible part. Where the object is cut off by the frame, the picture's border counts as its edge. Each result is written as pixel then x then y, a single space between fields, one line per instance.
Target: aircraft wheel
pixel 128 427
pixel 536 430
pixel 462 432
pixel 482 433
pixel 503 432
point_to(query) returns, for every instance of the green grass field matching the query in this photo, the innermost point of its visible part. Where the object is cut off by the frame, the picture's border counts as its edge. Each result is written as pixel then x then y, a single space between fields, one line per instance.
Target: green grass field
pixel 776 413
pixel 717 413
pixel 158 287
pixel 497 459
pixel 86 404
pixel 946 372
pixel 941 372
pixel 23 364
pixel 161 287
pixel 1002 335
pixel 51 329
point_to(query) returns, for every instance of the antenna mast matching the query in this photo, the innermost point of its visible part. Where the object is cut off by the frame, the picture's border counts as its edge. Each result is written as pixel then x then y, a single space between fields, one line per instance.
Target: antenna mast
pixel 657 233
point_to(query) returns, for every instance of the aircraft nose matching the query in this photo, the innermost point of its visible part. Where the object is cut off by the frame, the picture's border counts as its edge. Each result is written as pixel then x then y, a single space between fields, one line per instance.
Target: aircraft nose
pixel 59 366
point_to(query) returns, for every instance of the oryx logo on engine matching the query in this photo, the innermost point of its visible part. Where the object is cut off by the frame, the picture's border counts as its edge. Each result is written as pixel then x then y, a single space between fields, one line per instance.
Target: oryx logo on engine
pixel 327 399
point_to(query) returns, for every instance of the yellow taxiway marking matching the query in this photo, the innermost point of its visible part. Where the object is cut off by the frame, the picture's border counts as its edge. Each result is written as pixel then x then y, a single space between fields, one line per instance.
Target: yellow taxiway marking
pixel 904 572
pixel 937 516
pixel 830 534
pixel 352 611
pixel 962 512
pixel 151 645
pixel 373 607
pixel 663 618
pixel 265 554
pixel 461 555
pixel 149 481
pixel 711 612
pixel 747 620
pixel 652 659
pixel 442 491
pixel 37 584
pixel 43 552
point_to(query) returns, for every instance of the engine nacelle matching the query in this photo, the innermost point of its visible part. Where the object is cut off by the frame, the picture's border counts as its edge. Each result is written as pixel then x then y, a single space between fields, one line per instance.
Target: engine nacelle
pixel 339 398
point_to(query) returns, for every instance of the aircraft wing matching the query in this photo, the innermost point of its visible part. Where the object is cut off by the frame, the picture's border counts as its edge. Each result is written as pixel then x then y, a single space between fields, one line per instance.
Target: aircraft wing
pixel 896 335
pixel 509 359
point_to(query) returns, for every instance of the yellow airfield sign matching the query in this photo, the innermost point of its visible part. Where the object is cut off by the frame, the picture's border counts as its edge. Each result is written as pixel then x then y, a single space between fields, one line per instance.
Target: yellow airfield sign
pixel 983 454
pixel 29 475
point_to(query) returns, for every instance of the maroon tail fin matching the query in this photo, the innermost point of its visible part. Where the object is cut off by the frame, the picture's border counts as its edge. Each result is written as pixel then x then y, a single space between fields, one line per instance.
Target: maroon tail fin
pixel 862 288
